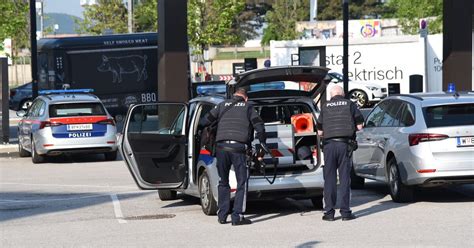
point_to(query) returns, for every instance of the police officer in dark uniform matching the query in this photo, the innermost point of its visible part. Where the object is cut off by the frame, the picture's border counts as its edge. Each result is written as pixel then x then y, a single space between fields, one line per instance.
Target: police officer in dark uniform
pixel 337 123
pixel 235 133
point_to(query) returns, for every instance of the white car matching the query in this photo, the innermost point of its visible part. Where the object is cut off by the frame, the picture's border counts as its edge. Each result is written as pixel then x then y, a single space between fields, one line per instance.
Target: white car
pixel 64 122
pixel 163 150
pixel 362 93
pixel 417 140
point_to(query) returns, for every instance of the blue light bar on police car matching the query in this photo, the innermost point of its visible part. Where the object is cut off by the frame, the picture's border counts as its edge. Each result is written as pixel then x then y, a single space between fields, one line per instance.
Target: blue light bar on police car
pixel 268 86
pixel 49 92
pixel 211 89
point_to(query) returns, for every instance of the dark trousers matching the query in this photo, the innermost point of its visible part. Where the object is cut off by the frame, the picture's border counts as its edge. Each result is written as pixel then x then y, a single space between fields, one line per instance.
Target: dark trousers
pixel 225 159
pixel 336 157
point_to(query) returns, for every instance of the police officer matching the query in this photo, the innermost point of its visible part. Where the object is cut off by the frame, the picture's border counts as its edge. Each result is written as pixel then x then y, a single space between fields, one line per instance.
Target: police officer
pixel 337 123
pixel 234 134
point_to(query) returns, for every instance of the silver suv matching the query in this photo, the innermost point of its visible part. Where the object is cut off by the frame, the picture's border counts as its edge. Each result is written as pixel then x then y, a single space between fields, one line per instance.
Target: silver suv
pixel 161 143
pixel 417 140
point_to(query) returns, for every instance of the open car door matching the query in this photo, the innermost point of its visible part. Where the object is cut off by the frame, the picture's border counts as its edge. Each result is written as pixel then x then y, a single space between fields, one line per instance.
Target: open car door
pixel 154 145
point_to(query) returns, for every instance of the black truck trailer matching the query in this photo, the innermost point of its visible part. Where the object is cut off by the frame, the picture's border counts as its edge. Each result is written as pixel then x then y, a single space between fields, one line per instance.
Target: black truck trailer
pixel 122 69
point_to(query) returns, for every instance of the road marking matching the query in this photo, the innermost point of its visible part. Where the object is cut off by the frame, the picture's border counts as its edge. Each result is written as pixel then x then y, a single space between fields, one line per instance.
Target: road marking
pixel 68 198
pixel 117 209
pixel 68 185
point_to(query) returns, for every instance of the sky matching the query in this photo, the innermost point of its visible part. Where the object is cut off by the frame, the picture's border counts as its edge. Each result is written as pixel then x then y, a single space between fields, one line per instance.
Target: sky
pixel 71 7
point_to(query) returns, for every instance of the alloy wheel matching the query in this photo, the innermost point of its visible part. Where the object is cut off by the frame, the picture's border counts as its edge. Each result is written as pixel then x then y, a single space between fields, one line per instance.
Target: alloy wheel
pixel 204 192
pixel 358 97
pixel 394 179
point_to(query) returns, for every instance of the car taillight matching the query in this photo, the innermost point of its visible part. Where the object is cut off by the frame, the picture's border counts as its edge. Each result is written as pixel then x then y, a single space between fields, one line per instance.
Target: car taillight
pixel 44 124
pixel 415 138
pixel 107 122
pixel 12 93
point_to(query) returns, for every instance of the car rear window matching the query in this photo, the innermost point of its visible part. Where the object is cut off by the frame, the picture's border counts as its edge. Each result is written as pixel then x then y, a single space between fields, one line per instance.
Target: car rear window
pixel 449 115
pixel 76 109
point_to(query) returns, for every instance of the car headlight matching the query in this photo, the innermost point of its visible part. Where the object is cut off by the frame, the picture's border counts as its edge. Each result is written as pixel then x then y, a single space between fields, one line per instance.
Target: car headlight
pixel 372 88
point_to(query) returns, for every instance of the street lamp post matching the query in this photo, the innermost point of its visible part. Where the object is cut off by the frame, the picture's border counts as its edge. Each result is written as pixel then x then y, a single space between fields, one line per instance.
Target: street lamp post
pixel 345 53
pixel 34 65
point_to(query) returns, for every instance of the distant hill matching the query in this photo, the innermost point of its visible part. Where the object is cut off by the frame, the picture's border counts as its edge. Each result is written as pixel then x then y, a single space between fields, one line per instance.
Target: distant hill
pixel 66 22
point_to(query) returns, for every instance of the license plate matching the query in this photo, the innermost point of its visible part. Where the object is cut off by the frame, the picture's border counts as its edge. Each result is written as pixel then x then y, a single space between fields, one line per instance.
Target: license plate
pixel 79 127
pixel 465 141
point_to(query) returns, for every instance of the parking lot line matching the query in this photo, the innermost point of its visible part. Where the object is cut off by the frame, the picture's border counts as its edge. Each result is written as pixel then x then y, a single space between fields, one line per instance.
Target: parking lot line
pixel 117 209
pixel 69 185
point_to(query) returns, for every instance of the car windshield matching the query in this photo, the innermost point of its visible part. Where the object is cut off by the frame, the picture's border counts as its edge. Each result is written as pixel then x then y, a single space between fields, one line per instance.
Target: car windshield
pixel 76 109
pixel 449 115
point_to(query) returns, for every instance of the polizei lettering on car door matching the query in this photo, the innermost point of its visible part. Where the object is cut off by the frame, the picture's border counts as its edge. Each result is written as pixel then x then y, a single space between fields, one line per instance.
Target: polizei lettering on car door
pixel 79 135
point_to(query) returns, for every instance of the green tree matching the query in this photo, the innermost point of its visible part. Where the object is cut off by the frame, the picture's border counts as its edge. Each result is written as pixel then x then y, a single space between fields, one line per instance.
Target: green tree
pixel 212 22
pixel 409 13
pixel 358 9
pixel 249 21
pixel 105 15
pixel 145 16
pixel 282 19
pixel 14 24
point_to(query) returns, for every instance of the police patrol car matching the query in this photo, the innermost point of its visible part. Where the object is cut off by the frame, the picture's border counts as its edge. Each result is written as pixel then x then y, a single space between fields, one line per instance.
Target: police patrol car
pixel 161 142
pixel 66 121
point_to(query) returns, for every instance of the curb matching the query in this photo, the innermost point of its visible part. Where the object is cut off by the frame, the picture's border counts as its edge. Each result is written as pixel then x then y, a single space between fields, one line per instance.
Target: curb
pixel 8 148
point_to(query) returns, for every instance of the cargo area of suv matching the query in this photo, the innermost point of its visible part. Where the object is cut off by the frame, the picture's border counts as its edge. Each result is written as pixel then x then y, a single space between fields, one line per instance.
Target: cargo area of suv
pixel 291 136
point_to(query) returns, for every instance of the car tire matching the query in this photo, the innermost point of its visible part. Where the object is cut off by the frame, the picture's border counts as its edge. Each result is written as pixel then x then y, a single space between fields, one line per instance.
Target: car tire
pixel 167 195
pixel 357 182
pixel 359 97
pixel 110 156
pixel 21 151
pixel 317 202
pixel 398 191
pixel 35 157
pixel 208 203
pixel 25 104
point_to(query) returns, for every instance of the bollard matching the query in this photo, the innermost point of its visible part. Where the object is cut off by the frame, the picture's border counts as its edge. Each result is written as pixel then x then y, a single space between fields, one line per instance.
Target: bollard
pixel 5 128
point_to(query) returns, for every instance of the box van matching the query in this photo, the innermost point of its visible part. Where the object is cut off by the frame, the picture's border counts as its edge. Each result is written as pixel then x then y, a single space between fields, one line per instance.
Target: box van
pixel 121 69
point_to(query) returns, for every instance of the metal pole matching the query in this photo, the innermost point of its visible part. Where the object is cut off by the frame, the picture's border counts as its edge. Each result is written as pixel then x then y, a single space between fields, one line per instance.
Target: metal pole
pixel 5 128
pixel 41 12
pixel 345 54
pixel 130 16
pixel 34 66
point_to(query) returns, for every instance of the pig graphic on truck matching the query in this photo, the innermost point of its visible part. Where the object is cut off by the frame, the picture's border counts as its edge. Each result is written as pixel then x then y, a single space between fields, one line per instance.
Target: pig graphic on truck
pixel 118 67
pixel 132 64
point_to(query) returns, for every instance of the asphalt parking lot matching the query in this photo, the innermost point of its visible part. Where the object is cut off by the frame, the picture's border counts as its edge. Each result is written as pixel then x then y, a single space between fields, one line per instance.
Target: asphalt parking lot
pixel 83 201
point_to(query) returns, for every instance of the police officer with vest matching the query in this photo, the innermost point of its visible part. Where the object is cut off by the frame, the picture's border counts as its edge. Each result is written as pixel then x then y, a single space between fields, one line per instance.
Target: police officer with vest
pixel 337 123
pixel 237 122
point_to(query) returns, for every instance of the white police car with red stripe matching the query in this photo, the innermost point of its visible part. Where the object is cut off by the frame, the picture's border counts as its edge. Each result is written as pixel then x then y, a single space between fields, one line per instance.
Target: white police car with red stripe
pixel 161 141
pixel 66 121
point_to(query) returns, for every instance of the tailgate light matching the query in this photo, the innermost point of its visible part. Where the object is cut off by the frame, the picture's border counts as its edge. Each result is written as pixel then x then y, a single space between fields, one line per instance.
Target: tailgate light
pixel 46 145
pixel 415 138
pixel 111 142
pixel 107 122
pixel 426 171
pixel 44 124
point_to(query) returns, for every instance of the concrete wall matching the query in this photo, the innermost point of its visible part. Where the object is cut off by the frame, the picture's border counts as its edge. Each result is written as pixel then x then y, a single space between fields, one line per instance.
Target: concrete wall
pixel 19 74
pixel 224 67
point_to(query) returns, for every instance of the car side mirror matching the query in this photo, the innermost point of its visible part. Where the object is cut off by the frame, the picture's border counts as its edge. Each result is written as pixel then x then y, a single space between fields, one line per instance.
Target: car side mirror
pixel 20 113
